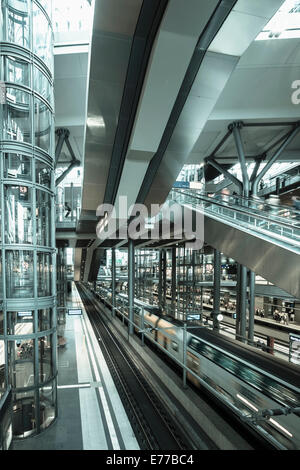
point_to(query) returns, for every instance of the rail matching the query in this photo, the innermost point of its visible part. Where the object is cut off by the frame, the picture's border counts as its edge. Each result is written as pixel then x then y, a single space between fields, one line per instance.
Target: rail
pixel 274 222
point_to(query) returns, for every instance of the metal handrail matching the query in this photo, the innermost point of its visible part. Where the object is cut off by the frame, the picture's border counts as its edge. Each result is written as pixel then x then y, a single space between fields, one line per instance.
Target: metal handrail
pixel 266 219
pixel 257 201
pixel 241 209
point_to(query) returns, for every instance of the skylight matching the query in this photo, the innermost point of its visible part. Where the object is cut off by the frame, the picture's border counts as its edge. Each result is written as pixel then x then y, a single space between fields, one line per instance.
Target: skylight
pixel 72 15
pixel 284 24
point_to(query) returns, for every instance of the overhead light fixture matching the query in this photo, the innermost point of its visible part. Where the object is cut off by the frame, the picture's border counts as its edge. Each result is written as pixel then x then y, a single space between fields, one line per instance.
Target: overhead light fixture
pixel 95 121
pixel 247 402
pixel 281 428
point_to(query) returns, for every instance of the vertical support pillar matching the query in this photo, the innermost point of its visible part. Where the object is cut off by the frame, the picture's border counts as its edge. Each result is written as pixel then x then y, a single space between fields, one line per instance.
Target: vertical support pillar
pixel 130 284
pixel 243 301
pixel 184 354
pixel 173 280
pixel 193 282
pixel 72 201
pixel 238 288
pixel 160 278
pixel 113 280
pixel 217 288
pixel 251 305
pixel 241 154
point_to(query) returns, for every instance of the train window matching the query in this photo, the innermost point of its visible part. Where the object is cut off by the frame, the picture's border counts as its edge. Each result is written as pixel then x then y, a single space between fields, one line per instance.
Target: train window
pixel 228 363
pixel 195 344
pixel 285 395
pixel 174 345
pixel 208 352
pixel 250 376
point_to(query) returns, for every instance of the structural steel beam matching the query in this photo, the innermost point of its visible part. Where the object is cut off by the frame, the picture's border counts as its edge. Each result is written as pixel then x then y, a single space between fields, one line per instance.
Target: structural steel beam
pixel 226 173
pixel 273 159
pixel 236 127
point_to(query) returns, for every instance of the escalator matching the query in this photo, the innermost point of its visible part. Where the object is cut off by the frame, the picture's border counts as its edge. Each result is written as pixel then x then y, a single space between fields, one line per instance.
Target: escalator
pixel 261 236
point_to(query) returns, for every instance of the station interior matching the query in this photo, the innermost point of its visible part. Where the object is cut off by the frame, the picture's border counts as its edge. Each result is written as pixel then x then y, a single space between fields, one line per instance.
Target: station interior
pixel 149 225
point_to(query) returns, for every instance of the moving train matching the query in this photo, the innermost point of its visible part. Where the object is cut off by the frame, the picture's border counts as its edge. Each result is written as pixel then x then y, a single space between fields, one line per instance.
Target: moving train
pixel 261 390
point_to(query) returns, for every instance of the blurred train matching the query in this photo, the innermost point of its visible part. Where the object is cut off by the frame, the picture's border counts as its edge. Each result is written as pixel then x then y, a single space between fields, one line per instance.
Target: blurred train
pixel 244 379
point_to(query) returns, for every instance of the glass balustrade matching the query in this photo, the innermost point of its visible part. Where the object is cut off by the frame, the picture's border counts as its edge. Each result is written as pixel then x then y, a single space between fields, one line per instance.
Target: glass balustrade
pixel 277 222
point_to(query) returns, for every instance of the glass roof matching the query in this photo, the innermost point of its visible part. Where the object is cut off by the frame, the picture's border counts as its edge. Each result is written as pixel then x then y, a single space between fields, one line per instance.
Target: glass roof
pixel 284 24
pixel 72 15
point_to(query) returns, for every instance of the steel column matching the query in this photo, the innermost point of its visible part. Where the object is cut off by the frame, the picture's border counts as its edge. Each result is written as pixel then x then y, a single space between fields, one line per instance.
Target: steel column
pixel 173 281
pixel 61 133
pixel 130 284
pixel 241 154
pixel 238 288
pixel 66 172
pixel 282 147
pixel 113 280
pixel 160 278
pixel 256 168
pixel 251 305
pixel 243 302
pixel 217 287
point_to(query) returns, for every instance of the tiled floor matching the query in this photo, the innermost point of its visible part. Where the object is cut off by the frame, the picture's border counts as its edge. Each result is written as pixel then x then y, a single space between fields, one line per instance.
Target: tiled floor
pixel 91 414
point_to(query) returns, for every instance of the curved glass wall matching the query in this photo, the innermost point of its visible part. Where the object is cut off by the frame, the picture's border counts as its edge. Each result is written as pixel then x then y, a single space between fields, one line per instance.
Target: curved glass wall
pixel 27 237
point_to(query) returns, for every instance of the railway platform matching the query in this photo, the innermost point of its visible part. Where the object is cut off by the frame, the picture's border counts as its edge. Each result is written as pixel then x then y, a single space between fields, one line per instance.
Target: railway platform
pixel 90 412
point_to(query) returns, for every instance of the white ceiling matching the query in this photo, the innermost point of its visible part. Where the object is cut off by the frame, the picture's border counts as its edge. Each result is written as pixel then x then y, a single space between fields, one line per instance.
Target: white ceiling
pixel 70 85
pixel 258 90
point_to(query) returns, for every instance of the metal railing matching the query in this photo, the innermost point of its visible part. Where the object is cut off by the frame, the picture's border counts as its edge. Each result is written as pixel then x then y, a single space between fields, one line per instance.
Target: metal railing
pixel 274 222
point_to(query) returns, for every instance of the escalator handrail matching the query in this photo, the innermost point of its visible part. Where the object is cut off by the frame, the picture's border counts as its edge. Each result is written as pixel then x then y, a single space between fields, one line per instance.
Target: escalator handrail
pixel 269 217
pixel 294 242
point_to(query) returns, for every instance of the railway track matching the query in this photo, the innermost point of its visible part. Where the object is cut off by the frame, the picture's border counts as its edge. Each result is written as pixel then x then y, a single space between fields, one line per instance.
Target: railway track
pixel 250 437
pixel 154 428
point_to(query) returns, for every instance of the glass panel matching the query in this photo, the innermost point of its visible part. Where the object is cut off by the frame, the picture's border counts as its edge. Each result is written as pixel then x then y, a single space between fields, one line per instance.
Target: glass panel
pixel 19 274
pixel 45 358
pixel 16 71
pixel 18 214
pixel 17 122
pixel 18 23
pixel 2 366
pixel 47 5
pixel 42 85
pixel 17 166
pixel 43 218
pixel 44 319
pixel 20 323
pixel 42 34
pixel 24 422
pixel 42 174
pixel 47 405
pixel 21 363
pixel 44 270
pixel 42 125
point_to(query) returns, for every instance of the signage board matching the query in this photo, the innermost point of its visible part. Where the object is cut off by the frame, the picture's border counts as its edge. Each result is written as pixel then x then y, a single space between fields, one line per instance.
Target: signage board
pixel 25 314
pixel 193 316
pixel 74 311
pixel 181 184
